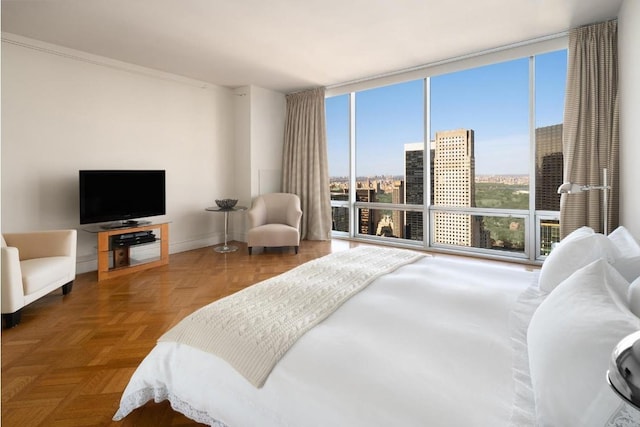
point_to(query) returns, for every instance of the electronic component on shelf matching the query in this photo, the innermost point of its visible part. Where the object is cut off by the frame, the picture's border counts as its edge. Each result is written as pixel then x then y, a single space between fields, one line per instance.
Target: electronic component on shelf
pixel 131 239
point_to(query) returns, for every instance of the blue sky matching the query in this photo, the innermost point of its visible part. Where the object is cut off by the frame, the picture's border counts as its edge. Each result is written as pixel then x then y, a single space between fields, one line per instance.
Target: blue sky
pixel 492 100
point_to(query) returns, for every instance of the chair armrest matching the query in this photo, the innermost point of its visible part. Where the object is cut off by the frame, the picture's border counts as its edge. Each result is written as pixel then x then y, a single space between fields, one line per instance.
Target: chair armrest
pixel 257 215
pixel 12 290
pixel 293 217
pixel 294 213
pixel 40 244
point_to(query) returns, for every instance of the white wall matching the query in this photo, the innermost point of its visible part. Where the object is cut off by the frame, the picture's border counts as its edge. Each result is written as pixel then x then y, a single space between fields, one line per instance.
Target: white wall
pixel 260 115
pixel 242 165
pixel 629 62
pixel 267 127
pixel 64 110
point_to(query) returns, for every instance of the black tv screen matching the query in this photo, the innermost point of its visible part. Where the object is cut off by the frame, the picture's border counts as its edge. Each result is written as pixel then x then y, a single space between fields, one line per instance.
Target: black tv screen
pixel 121 195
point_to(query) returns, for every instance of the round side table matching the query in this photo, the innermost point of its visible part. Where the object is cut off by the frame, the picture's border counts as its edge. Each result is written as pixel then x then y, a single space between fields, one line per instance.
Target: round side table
pixel 225 248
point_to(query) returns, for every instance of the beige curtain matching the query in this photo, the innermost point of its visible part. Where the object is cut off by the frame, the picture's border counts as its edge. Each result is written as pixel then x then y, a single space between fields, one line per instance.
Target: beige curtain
pixel 305 169
pixel 590 131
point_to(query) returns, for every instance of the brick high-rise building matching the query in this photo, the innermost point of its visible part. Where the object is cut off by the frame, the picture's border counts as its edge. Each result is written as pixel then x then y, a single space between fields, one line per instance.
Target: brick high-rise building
pixel 454 186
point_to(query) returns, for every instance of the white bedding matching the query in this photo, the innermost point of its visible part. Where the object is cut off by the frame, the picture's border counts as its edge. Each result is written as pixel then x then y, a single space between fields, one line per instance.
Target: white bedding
pixel 253 328
pixel 430 344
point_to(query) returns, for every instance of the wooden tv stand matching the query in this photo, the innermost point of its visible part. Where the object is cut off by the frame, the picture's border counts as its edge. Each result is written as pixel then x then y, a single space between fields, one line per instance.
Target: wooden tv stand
pixel 122 263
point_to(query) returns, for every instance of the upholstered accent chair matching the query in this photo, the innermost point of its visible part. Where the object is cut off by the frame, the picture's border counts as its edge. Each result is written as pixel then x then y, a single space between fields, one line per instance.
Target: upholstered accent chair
pixel 274 221
pixel 33 265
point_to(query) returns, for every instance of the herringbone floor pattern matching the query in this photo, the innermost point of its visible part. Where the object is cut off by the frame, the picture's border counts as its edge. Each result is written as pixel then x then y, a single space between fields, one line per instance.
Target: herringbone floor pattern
pixel 71 357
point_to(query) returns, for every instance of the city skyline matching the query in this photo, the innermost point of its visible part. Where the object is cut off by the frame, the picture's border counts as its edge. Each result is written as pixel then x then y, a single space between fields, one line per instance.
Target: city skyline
pixel 493 100
pixel 453 184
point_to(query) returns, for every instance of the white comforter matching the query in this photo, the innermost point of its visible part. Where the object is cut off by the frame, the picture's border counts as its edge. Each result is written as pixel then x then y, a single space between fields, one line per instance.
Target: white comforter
pixel 428 345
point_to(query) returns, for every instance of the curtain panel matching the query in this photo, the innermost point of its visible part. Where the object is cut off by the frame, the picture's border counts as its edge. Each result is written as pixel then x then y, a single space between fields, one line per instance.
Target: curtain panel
pixel 305 170
pixel 590 132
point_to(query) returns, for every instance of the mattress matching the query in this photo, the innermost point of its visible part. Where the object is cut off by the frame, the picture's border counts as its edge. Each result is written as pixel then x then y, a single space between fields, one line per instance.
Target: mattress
pixel 437 342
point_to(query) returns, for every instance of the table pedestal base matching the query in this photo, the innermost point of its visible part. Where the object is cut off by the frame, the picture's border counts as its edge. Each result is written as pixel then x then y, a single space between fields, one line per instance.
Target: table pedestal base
pixel 225 248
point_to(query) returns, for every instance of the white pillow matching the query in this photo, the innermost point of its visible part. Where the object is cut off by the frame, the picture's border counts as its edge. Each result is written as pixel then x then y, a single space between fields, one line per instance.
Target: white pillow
pixel 627 258
pixel 570 340
pixel 626 244
pixel 634 297
pixel 573 253
pixel 628 267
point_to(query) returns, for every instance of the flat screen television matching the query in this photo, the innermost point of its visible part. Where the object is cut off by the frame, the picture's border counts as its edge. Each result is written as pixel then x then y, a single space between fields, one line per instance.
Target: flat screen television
pixel 121 196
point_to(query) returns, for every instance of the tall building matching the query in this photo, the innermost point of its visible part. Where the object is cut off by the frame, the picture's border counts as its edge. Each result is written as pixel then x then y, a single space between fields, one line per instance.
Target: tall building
pixel 414 189
pixel 549 167
pixel 397 217
pixel 340 215
pixel 549 234
pixel 367 219
pixel 454 186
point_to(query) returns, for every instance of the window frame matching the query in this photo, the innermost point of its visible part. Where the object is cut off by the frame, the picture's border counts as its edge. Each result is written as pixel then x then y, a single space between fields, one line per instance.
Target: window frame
pixel 531 217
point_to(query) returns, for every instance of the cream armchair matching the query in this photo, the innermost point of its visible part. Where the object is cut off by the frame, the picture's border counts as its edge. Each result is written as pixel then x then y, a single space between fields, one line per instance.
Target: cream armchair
pixel 33 265
pixel 274 221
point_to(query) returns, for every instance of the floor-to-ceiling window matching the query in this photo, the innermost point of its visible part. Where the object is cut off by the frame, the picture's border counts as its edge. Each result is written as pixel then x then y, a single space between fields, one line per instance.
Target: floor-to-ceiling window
pixel 489 168
pixel 550 78
pixel 479 134
pixel 338 129
pixel 388 120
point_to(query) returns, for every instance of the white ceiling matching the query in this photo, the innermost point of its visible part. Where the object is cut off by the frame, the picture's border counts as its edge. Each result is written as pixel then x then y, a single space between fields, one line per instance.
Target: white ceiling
pixel 287 45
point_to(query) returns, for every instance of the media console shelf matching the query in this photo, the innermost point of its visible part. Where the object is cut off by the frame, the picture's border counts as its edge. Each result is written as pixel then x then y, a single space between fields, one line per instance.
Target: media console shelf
pixel 122 263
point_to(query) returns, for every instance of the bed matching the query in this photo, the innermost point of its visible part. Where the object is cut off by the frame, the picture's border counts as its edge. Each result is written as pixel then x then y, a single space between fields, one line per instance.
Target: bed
pixel 430 340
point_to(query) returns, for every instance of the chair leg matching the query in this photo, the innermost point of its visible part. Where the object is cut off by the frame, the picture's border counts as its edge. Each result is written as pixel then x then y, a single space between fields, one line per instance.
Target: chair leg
pixel 66 288
pixel 296 249
pixel 11 319
pixel 250 250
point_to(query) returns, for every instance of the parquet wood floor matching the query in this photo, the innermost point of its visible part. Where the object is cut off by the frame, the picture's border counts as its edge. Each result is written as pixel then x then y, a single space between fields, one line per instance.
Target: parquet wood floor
pixel 71 357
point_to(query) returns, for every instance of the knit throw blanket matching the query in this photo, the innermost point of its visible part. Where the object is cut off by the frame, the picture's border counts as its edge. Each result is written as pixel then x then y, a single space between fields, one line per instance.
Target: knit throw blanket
pixel 253 328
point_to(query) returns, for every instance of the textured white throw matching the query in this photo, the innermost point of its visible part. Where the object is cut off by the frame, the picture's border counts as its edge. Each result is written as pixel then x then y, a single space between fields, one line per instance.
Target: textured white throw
pixel 253 328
